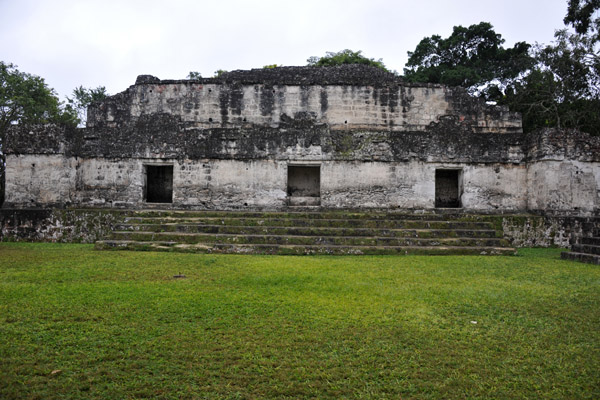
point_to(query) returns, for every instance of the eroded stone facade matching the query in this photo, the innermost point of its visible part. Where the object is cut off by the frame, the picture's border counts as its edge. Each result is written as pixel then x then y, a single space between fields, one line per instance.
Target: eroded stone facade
pixel 231 142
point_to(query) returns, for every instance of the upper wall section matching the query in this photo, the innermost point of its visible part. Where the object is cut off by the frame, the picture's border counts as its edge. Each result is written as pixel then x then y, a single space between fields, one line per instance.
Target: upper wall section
pixel 343 97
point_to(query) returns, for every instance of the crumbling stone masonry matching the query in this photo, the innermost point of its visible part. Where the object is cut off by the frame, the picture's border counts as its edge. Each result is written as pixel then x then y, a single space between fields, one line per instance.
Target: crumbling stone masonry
pixel 337 137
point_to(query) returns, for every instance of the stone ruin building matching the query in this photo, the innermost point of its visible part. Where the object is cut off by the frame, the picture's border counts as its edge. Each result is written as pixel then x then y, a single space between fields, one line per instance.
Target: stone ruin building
pixel 348 137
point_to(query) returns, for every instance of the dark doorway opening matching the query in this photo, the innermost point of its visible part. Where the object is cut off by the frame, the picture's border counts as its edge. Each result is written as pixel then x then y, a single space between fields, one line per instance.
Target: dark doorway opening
pixel 304 185
pixel 159 183
pixel 447 188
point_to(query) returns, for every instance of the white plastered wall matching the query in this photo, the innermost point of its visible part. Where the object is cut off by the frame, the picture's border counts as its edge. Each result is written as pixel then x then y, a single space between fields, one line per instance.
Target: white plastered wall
pixel 564 186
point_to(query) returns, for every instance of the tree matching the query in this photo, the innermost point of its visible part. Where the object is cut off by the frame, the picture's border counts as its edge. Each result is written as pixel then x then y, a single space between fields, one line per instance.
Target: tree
pixel 82 98
pixel 344 57
pixel 557 85
pixel 26 99
pixel 563 88
pixel 194 75
pixel 470 57
pixel 219 72
pixel 583 15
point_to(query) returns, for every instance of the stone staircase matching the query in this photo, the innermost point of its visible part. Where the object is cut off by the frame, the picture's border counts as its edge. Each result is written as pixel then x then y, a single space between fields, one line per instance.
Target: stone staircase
pixel 587 249
pixel 299 233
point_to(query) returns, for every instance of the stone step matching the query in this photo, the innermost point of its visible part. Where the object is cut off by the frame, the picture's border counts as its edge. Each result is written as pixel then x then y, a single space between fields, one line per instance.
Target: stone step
pixel 307 222
pixel 581 257
pixel 191 238
pixel 300 249
pixel 586 248
pixel 308 231
pixel 327 214
pixel 594 241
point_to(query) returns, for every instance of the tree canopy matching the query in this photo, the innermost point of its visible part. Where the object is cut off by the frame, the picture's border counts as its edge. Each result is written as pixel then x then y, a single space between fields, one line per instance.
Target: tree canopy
pixel 556 85
pixel 25 98
pixel 344 57
pixel 469 57
pixel 563 89
pixel 584 16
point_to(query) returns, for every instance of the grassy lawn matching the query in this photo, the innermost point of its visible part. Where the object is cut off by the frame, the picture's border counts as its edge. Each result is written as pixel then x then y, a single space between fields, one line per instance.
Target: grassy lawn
pixel 79 323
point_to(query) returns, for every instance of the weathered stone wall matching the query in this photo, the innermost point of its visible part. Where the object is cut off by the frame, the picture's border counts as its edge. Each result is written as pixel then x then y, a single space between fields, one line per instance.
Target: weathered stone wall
pixel 56 225
pixel 358 169
pixel 530 230
pixel 40 179
pixel 238 184
pixel 377 140
pixel 564 185
pixel 161 137
pixel 344 97
pixel 564 172
pixel 397 108
pixel 230 184
pixel 412 185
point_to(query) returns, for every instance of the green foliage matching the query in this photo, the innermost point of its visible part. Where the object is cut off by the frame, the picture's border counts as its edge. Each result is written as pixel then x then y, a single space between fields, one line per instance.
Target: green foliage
pixel 557 85
pixel 584 16
pixel 470 57
pixel 219 72
pixel 271 66
pixel 82 98
pixel 344 57
pixel 78 323
pixel 563 89
pixel 194 75
pixel 26 99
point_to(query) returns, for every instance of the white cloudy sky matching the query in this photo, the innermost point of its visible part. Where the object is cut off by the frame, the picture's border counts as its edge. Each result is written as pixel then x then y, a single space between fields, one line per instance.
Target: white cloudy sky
pixel 110 42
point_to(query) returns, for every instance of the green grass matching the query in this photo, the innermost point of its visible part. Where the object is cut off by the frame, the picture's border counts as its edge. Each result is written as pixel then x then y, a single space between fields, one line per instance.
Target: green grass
pixel 118 325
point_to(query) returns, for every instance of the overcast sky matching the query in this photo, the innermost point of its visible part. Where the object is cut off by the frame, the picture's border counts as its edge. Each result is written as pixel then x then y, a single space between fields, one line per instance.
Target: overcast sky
pixel 109 42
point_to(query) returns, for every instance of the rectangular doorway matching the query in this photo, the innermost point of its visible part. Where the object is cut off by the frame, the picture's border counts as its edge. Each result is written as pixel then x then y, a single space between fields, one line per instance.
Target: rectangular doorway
pixel 304 185
pixel 159 183
pixel 447 188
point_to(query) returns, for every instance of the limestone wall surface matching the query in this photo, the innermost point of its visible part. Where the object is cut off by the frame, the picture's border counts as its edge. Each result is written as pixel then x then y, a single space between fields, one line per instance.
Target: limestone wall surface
pixel 34 179
pixel 239 184
pixel 229 142
pixel 353 179
pixel 357 169
pixel 344 97
pixel 564 185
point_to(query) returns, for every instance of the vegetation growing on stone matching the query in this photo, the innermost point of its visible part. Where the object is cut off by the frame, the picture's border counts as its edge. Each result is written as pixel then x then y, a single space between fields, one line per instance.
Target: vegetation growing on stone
pixel 343 57
pixel 82 98
pixel 194 75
